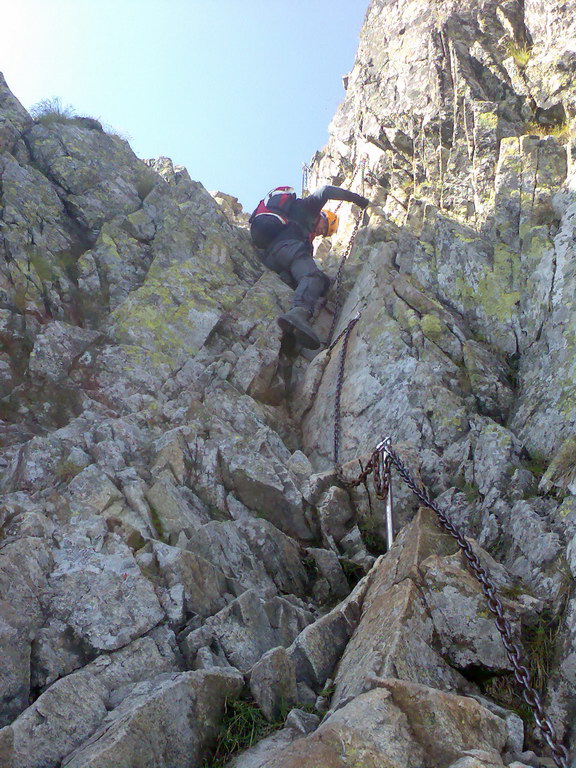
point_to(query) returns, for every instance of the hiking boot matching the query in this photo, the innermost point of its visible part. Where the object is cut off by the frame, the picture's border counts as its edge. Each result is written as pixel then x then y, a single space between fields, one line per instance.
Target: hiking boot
pixel 295 321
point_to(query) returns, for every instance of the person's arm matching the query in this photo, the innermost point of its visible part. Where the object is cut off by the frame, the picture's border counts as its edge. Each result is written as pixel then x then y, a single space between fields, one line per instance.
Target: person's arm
pixel 318 199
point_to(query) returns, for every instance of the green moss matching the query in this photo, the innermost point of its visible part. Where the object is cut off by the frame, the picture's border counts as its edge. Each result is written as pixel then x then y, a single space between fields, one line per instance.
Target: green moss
pixel 562 469
pixel 535 243
pixel 407 318
pixel 145 183
pixel 487 119
pixel 42 265
pixel 494 292
pixel 567 401
pixel 159 315
pixel 66 470
pixel 432 326
pixel 566 508
pixel 470 490
pixel 464 238
pixel 110 244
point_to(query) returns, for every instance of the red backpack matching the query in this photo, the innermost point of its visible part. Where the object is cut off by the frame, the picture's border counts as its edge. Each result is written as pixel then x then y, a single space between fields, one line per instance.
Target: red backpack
pixel 271 215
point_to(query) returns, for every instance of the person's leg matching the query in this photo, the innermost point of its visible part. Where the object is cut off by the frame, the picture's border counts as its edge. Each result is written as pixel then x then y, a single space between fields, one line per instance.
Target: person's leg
pixel 291 259
pixel 311 282
pixel 280 256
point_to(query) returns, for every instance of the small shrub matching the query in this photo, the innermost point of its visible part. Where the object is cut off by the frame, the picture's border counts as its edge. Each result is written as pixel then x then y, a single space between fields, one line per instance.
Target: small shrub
pixel 67 470
pixel 311 567
pixel 352 571
pixel 469 490
pixel 513 592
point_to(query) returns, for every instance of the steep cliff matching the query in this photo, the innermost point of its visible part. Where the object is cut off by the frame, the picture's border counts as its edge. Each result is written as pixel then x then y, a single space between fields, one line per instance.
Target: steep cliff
pixel 173 534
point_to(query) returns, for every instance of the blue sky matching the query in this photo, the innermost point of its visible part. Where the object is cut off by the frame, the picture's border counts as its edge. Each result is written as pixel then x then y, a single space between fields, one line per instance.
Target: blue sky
pixel 241 92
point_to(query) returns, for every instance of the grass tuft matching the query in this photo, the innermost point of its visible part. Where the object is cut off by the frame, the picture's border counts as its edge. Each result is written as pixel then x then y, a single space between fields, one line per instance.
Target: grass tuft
pixel 371 536
pixel 562 469
pixel 539 644
pixel 537 464
pixel 242 726
pixel 50 111
pixel 560 131
pixel 53 111
pixel 520 53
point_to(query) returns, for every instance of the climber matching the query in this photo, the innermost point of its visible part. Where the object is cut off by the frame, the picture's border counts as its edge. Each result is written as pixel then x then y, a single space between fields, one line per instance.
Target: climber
pixel 283 227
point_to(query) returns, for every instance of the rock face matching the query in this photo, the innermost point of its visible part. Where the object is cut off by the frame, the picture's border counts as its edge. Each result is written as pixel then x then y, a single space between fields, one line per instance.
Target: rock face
pixel 172 530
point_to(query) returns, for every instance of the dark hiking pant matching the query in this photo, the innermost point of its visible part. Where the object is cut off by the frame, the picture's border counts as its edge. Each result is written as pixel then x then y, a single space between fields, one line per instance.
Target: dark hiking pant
pixel 293 261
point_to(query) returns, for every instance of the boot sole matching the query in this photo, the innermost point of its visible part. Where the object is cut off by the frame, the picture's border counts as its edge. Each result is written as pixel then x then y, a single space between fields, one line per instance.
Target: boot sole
pixel 300 334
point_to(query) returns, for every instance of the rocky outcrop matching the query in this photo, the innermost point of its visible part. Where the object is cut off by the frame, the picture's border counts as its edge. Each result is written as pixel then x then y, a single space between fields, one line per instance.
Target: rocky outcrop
pixel 172 530
pixel 465 288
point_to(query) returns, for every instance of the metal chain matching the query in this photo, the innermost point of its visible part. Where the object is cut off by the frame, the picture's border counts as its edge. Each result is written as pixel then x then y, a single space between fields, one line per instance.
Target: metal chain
pixel 360 167
pixel 340 382
pixel 378 464
pixel 338 279
pixel 305 177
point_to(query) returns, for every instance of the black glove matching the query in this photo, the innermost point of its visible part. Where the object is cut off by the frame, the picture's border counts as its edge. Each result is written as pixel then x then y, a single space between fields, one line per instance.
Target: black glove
pixel 360 201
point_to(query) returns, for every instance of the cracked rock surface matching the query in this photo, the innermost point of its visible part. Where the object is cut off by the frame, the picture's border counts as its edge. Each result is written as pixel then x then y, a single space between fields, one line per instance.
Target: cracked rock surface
pixel 173 534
